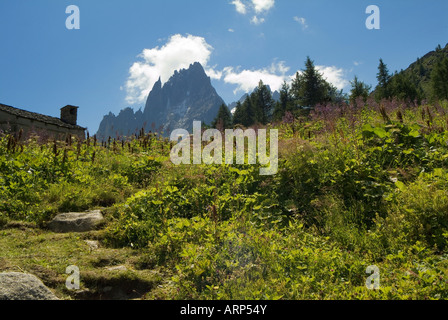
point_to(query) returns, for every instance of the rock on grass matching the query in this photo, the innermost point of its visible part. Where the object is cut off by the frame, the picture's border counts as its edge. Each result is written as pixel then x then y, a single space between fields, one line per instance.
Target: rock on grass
pixel 23 286
pixel 76 222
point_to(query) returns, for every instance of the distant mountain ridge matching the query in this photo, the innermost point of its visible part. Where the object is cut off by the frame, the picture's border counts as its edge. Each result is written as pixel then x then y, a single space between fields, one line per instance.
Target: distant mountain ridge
pixel 187 96
pixel 420 71
pixel 422 68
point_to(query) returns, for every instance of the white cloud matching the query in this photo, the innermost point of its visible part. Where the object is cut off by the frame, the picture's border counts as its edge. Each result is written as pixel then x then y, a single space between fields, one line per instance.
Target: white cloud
pixel 247 80
pixel 181 51
pixel 274 76
pixel 263 5
pixel 334 75
pixel 279 68
pixel 239 6
pixel 302 22
pixel 255 20
pixel 178 53
pixel 231 30
pixel 213 73
pixel 255 6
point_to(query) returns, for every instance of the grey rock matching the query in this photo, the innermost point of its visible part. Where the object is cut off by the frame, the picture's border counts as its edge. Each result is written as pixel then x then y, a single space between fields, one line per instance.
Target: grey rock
pixel 23 286
pixel 117 268
pixel 76 222
pixel 93 244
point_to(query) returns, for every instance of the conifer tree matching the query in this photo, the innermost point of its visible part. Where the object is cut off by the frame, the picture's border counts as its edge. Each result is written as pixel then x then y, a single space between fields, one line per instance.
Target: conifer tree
pixel 262 103
pixel 309 88
pixel 295 87
pixel 238 114
pixel 244 113
pixel 421 69
pixel 332 94
pixel 249 117
pixel 224 118
pixel 312 86
pixel 285 103
pixel 403 88
pixel 439 79
pixel 359 90
pixel 383 77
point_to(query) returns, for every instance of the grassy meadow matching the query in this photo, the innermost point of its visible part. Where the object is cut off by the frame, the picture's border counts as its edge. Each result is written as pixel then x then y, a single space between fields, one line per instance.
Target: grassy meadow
pixel 356 187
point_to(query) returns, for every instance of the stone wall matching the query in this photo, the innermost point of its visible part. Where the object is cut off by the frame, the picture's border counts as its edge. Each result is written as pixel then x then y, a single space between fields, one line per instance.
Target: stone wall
pixel 12 123
pixel 69 114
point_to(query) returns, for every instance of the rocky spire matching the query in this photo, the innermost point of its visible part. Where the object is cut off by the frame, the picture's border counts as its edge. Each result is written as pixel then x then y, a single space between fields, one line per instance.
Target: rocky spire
pixel 187 96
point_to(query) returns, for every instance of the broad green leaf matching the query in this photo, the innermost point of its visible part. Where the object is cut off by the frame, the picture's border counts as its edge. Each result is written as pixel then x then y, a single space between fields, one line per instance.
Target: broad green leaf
pixel 380 132
pixel 400 185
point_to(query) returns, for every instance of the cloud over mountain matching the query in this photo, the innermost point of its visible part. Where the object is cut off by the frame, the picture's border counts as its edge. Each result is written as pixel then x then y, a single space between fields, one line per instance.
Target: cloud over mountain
pixel 179 52
pixel 247 80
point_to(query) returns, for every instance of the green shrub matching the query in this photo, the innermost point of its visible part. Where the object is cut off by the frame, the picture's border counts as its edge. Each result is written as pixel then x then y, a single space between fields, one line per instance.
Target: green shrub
pixel 421 212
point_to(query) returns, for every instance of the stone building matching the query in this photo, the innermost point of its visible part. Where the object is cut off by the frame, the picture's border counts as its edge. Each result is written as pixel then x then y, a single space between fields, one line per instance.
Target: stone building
pixel 13 120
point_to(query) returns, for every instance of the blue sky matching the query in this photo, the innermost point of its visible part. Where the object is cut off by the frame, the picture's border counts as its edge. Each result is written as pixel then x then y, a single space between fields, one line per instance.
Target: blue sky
pixel 122 47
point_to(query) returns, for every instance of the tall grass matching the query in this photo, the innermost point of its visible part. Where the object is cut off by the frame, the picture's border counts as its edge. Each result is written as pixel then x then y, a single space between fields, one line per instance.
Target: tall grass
pixel 358 185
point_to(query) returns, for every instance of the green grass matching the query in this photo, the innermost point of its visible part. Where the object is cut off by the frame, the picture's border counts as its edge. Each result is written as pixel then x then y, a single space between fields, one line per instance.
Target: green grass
pixel 356 188
pixel 25 248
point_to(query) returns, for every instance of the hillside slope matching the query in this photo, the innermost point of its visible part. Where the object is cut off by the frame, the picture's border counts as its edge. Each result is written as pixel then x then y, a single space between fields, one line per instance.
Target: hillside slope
pixel 420 71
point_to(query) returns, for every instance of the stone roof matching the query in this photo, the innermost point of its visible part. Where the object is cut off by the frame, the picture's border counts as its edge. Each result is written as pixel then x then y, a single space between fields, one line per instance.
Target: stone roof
pixel 38 117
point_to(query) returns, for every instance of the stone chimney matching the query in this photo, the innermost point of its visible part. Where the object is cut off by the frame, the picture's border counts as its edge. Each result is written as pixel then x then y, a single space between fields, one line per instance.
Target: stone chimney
pixel 69 114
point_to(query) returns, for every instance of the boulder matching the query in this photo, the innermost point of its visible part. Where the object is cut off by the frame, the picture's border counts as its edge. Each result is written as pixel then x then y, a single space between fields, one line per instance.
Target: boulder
pixel 117 268
pixel 23 286
pixel 93 244
pixel 76 222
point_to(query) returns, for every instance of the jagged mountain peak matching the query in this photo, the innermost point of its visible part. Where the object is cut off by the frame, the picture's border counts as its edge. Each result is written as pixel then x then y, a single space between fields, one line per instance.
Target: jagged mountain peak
pixel 187 96
pixel 195 76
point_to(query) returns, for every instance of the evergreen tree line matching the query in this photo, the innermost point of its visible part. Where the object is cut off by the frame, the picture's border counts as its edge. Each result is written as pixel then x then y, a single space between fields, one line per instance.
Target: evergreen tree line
pixel 309 88
pixel 408 85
